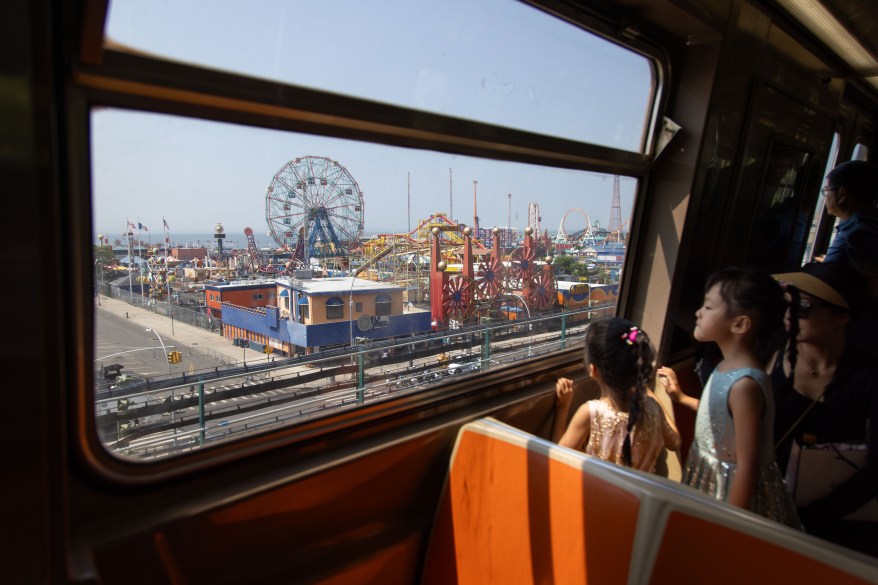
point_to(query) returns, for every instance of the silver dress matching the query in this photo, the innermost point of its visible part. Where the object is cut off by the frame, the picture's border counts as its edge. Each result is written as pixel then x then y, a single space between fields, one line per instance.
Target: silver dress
pixel 711 463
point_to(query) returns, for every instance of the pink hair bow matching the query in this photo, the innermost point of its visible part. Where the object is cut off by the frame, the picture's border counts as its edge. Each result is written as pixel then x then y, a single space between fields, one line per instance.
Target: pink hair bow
pixel 630 337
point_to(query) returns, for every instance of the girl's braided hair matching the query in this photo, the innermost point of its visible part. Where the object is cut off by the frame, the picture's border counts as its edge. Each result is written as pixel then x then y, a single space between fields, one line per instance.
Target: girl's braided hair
pixel 626 360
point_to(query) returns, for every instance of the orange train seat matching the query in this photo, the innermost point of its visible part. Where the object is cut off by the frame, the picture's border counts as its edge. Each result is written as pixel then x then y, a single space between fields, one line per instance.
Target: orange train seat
pixel 519 509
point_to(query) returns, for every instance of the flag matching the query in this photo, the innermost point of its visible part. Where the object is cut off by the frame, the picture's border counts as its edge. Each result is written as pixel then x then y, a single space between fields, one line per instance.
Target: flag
pixel 140 226
pixel 131 226
pixel 165 224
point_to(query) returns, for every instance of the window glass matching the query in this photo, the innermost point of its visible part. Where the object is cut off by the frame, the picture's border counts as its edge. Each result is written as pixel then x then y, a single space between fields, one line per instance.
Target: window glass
pixel 202 173
pixel 495 61
pixel 819 215
pixel 382 305
pixel 334 308
pixel 779 224
pixel 861 152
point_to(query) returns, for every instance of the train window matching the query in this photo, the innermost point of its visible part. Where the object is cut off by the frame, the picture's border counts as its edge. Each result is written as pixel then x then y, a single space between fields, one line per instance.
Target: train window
pixel 819 215
pixel 173 198
pixel 495 61
pixel 779 224
pixel 861 152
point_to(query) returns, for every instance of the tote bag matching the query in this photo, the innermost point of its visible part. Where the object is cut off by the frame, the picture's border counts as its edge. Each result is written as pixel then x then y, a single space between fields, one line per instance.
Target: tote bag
pixel 815 470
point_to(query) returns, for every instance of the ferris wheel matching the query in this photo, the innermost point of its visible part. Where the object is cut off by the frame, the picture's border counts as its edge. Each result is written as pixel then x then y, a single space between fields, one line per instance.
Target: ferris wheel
pixel 316 199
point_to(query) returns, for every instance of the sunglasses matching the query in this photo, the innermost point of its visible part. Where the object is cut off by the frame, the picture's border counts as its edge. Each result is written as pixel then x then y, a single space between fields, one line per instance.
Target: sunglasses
pixel 803 310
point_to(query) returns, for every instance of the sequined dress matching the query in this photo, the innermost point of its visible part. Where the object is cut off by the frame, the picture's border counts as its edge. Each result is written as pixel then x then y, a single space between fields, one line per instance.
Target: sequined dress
pixel 711 463
pixel 609 427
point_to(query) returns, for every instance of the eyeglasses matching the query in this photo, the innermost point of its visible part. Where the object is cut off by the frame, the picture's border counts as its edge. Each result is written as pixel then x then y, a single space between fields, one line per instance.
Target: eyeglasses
pixel 828 189
pixel 803 311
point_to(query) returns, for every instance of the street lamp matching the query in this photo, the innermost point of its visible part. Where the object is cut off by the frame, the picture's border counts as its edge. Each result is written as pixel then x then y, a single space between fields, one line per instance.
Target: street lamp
pixel 529 324
pixel 351 309
pixel 101 281
pixel 165 352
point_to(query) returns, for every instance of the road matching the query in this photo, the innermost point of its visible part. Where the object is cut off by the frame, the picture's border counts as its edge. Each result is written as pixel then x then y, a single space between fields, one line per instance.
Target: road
pixel 121 337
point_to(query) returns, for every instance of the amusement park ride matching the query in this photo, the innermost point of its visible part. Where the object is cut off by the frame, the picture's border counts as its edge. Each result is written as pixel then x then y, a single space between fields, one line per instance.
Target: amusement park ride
pixel 314 206
pixel 314 209
pixel 495 288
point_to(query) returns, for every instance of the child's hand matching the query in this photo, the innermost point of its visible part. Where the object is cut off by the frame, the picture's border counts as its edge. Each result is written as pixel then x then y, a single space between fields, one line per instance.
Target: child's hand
pixel 669 380
pixel 563 393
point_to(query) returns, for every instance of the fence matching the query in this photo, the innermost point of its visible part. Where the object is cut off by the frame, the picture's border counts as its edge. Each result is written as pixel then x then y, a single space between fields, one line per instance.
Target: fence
pixel 178 312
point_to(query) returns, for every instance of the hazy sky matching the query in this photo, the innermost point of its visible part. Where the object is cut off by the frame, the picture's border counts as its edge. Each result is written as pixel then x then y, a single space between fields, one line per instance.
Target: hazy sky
pixel 472 59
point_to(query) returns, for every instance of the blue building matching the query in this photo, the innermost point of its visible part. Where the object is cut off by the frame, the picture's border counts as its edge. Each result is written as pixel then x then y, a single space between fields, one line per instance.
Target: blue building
pixel 314 313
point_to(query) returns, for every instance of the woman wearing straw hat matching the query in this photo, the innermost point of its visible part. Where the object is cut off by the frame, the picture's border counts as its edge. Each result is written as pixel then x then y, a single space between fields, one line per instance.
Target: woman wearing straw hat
pixel 826 391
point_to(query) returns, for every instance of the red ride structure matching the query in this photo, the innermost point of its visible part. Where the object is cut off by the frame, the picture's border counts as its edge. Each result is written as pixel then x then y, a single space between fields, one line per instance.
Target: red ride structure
pixel 459 297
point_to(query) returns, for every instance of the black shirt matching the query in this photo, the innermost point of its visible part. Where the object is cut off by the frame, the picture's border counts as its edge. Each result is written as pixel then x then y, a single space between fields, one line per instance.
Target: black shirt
pixel 851 399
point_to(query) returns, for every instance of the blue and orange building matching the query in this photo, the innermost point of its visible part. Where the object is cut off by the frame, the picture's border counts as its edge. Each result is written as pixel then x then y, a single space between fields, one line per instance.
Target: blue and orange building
pixel 306 314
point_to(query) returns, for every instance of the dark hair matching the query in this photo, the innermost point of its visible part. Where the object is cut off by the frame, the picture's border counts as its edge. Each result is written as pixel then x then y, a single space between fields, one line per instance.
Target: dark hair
pixel 626 359
pixel 839 279
pixel 758 296
pixel 858 177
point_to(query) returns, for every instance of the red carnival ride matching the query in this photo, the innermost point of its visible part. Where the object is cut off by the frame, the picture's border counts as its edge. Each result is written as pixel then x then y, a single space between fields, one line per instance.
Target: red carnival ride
pixel 495 288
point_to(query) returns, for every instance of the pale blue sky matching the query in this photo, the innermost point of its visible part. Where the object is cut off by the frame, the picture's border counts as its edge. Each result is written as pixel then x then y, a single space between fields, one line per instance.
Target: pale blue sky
pixel 479 60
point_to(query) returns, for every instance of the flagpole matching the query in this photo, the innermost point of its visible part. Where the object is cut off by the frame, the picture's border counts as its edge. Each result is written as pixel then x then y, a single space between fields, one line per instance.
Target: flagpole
pixel 166 229
pixel 140 263
pixel 130 260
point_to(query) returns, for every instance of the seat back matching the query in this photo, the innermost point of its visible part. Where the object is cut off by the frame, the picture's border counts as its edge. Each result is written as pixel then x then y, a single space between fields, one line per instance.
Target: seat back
pixel 519 509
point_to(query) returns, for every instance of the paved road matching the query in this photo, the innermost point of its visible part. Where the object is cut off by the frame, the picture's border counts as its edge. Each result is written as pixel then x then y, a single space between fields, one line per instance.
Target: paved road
pixel 121 337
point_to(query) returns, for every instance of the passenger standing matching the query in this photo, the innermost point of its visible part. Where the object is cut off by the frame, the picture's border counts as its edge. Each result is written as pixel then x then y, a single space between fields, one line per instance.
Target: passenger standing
pixel 827 391
pixel 626 425
pixel 851 192
pixel 731 457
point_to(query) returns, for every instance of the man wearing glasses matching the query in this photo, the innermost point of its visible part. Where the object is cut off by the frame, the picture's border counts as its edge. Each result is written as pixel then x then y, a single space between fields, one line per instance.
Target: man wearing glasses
pixel 851 191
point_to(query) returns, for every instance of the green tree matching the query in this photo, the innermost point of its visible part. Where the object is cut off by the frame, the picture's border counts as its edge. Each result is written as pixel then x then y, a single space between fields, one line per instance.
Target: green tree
pixel 104 256
pixel 565 264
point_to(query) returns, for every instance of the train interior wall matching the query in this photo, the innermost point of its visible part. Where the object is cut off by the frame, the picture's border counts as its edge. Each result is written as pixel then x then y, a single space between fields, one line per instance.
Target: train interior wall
pixel 354 499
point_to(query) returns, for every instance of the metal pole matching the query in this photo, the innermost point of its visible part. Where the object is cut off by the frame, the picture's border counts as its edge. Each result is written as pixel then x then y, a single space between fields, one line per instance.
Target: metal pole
pixel 361 395
pixel 563 327
pixel 486 348
pixel 170 374
pixel 351 309
pixel 130 260
pixel 201 411
pixel 529 325
pixel 100 283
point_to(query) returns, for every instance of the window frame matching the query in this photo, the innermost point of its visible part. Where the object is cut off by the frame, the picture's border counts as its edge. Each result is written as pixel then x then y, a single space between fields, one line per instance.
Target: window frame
pixel 103 77
pixel 337 306
pixel 383 305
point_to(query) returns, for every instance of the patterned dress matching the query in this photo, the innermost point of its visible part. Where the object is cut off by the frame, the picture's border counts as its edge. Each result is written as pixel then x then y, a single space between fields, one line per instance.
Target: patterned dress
pixel 609 427
pixel 711 463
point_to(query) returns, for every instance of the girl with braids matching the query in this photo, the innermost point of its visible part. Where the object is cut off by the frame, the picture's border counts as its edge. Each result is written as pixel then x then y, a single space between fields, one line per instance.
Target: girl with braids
pixel 626 425
pixel 732 458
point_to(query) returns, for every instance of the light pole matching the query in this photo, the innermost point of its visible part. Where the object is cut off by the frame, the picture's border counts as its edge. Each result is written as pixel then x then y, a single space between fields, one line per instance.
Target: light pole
pixel 351 309
pixel 529 324
pixel 165 352
pixel 100 281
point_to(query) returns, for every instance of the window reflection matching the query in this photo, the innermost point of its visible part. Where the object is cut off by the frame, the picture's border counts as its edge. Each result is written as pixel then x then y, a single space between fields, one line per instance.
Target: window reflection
pixel 495 61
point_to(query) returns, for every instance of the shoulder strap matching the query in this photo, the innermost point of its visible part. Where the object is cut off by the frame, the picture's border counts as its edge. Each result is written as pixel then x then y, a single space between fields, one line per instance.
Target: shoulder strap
pixel 798 420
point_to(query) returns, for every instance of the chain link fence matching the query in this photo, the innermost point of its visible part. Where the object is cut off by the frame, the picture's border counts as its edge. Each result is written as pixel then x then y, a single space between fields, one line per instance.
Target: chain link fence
pixel 178 312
